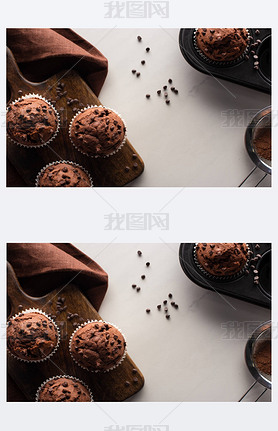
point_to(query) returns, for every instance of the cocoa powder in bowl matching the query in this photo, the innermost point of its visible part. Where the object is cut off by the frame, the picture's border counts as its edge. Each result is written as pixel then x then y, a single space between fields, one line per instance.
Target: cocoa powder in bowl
pixel 262 356
pixel 262 142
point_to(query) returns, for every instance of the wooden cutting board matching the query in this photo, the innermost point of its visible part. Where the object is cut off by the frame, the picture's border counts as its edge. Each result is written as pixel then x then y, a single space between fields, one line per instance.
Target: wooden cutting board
pixel 109 172
pixel 109 386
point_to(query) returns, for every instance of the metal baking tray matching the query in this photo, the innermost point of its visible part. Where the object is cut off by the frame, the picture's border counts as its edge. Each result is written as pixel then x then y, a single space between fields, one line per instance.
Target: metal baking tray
pixel 241 287
pixel 241 72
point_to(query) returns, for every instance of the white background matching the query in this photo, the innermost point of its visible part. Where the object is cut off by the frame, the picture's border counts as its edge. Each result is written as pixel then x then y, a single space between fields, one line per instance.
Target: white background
pixel 226 215
pixel 185 143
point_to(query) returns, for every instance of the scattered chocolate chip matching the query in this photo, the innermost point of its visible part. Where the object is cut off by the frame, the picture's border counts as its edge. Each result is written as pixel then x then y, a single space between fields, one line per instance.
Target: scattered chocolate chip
pixel 255 57
pixel 139 253
pixel 165 87
pixel 143 62
pixel 148 310
pixel 173 303
pixel 170 81
pixel 127 383
pixel 139 38
pixel 166 310
pixel 176 91
pixel 165 95
pixel 257 31
pixel 134 371
pixel 138 289
pixel 148 96
pixel 158 307
pixel 134 156
pixel 257 246
pixel 170 295
pixel 167 316
pixel 133 71
pixel 135 380
pixel 159 92
pixel 135 165
pixel 256 67
pixel 167 101
pixel 147 263
pixel 133 286
pixel 138 74
pixel 148 49
pixel 165 302
pixel 127 168
pixel 176 306
pixel 143 277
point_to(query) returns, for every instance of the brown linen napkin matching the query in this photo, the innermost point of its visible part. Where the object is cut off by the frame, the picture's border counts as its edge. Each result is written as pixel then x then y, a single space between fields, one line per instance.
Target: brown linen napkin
pixel 41 268
pixel 42 52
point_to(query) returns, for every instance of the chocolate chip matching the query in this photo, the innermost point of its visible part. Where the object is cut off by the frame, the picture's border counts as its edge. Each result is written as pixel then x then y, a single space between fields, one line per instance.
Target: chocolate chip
pixel 167 316
pixel 147 263
pixel 165 302
pixel 165 87
pixel 139 38
pixel 170 295
pixel 148 310
pixel 127 168
pixel 165 95
pixel 138 289
pixel 139 253
pixel 135 380
pixel 167 101
pixel 138 74
pixel 257 31
pixel 134 156
pixel 133 286
pixel 166 310
pixel 257 246
pixel 158 307
pixel 133 71
pixel 159 92
pixel 143 62
pixel 170 81
pixel 135 165
pixel 143 277
pixel 176 91
pixel 176 306
pixel 148 96
pixel 134 371
pixel 127 383
pixel 148 49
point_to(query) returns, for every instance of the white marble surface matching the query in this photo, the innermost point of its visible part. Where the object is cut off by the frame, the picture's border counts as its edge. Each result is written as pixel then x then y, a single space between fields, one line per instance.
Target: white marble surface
pixel 187 357
pixel 185 143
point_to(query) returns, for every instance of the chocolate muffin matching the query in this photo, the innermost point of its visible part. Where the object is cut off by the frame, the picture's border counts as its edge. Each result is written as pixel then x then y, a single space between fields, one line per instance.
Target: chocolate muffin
pixel 222 259
pixel 222 44
pixel 32 336
pixel 97 131
pixel 63 174
pixel 97 346
pixel 63 388
pixel 31 121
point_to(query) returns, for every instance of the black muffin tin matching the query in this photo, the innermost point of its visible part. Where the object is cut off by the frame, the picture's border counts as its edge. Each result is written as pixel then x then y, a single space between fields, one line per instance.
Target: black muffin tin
pixel 241 287
pixel 242 72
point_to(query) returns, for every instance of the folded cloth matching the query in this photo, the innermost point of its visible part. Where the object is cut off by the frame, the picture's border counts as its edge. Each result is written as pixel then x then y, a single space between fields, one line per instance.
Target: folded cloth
pixel 41 268
pixel 42 52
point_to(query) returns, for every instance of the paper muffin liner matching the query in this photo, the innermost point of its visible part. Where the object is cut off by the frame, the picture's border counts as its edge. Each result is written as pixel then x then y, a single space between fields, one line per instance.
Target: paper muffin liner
pixel 218 277
pixel 62 161
pixel 67 377
pixel 37 96
pixel 98 371
pixel 36 310
pixel 221 63
pixel 112 152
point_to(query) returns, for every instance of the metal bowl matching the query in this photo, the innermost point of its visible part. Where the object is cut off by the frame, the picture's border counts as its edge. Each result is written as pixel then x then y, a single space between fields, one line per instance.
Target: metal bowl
pixel 262 332
pixel 261 119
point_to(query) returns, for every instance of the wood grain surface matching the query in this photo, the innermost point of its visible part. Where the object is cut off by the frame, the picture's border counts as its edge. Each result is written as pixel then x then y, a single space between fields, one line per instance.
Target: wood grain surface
pixel 111 386
pixel 109 172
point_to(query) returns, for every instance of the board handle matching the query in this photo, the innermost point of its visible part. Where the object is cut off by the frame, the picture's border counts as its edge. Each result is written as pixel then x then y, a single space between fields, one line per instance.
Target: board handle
pixel 15 294
pixel 14 77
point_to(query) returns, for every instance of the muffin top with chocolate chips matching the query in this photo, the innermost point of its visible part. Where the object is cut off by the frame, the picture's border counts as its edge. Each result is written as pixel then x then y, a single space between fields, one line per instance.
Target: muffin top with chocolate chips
pixel 64 175
pixel 66 389
pixel 97 131
pixel 31 336
pixel 97 346
pixel 222 259
pixel 222 44
pixel 31 121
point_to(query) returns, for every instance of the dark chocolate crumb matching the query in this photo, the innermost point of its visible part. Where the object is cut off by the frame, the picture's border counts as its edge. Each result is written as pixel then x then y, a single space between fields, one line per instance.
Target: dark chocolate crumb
pixel 138 74
pixel 143 277
pixel 148 96
pixel 133 286
pixel 167 101
pixel 170 295
pixel 133 71
pixel 159 92
pixel 148 310
pixel 167 316
pixel 143 62
pixel 165 301
pixel 147 263
pixel 138 289
pixel 139 252
pixel 170 81
pixel 148 49
pixel 139 38
pixel 165 87
pixel 158 307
